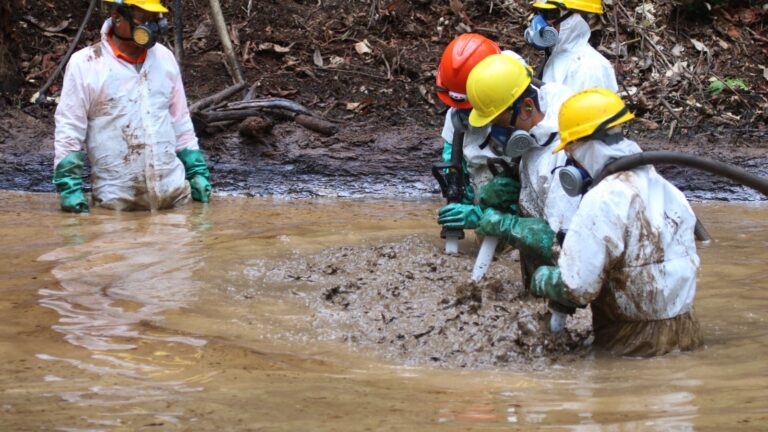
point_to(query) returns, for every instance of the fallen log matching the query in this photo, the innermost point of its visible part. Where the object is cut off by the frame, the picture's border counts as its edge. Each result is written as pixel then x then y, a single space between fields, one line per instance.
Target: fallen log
pixel 281 103
pixel 316 124
pixel 216 97
pixel 310 122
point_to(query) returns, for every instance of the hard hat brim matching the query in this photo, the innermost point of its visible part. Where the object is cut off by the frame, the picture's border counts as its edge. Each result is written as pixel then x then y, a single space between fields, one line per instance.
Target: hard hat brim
pixel 154 8
pixel 564 142
pixel 543 6
pixel 477 120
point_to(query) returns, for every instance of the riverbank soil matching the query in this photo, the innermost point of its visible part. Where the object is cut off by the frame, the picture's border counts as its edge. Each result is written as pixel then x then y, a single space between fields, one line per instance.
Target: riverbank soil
pixel 695 75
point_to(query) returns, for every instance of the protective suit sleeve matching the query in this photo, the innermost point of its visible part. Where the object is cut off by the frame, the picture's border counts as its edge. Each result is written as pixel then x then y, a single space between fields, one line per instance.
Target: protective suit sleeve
pixel 182 123
pixel 501 193
pixel 546 282
pixel 71 114
pixel 532 236
pixel 69 183
pixel 595 239
pixel 196 173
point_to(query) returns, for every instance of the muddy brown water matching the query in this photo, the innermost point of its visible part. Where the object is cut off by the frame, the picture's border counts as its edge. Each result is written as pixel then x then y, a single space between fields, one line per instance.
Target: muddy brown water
pixel 181 320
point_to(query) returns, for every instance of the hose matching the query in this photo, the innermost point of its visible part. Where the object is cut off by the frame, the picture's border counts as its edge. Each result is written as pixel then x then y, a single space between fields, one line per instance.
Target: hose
pixel 721 169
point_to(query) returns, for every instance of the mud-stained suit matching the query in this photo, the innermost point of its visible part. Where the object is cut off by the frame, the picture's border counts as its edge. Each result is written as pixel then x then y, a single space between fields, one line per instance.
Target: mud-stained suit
pixel 131 124
pixel 630 253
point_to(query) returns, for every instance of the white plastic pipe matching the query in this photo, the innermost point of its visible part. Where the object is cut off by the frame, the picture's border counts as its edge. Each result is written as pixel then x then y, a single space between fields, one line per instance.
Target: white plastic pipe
pixel 557 321
pixel 484 258
pixel 452 245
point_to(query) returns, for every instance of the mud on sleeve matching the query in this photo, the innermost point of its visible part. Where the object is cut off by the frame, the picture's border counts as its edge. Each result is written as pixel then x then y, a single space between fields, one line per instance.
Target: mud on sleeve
pixel 71 115
pixel 593 242
pixel 182 123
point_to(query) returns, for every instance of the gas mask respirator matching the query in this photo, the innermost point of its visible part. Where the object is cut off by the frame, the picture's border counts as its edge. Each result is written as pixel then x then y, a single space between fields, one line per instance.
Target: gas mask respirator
pixel 574 180
pixel 512 145
pixel 541 34
pixel 146 34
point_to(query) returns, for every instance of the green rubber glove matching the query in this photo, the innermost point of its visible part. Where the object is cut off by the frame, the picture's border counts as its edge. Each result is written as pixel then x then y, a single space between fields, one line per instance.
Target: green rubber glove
pixel 501 193
pixel 197 174
pixel 547 282
pixel 447 151
pixel 531 236
pixel 69 182
pixel 459 216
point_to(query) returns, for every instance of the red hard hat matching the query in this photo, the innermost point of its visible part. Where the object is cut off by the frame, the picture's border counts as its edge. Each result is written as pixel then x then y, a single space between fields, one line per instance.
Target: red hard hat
pixel 458 59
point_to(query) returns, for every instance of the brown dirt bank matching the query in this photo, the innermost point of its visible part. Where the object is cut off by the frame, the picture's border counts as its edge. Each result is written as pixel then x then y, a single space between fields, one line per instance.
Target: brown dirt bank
pixel 383 99
pixel 362 159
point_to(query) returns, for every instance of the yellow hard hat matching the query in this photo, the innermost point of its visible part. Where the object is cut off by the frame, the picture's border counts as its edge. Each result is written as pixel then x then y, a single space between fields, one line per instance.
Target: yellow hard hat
pixel 544 4
pixel 589 111
pixel 493 85
pixel 147 5
pixel 591 6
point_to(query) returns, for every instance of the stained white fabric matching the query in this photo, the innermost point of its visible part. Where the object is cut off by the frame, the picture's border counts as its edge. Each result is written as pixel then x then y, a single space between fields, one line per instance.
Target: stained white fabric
pixel 630 248
pixel 574 63
pixel 131 124
pixel 541 194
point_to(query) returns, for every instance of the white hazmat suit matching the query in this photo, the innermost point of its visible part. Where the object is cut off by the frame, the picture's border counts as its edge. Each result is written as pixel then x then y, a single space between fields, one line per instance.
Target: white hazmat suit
pixel 631 254
pixel 574 63
pixel 131 124
pixel 541 195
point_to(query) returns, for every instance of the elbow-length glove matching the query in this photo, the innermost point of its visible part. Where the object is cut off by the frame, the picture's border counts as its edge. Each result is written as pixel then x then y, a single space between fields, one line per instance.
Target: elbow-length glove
pixel 197 174
pixel 501 193
pixel 69 183
pixel 531 236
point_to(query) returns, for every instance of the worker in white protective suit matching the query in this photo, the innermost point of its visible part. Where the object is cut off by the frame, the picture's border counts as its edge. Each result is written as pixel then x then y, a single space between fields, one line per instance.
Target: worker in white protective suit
pixel 560 29
pixel 502 91
pixel 123 104
pixel 480 143
pixel 629 250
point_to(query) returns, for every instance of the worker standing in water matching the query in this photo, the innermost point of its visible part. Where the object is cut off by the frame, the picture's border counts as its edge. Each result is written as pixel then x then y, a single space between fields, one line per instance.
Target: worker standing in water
pixel 458 59
pixel 559 28
pixel 123 104
pixel 503 92
pixel 629 251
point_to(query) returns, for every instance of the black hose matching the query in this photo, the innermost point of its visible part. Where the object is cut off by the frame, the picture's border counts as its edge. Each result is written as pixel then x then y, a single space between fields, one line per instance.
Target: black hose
pixel 721 169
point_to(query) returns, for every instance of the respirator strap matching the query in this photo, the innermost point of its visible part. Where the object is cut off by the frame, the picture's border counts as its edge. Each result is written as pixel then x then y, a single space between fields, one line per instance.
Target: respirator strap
pixel 549 140
pixel 562 18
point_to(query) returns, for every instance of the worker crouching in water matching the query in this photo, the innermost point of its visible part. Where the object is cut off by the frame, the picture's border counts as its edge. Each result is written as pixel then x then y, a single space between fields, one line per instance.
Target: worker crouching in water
pixel 123 104
pixel 629 250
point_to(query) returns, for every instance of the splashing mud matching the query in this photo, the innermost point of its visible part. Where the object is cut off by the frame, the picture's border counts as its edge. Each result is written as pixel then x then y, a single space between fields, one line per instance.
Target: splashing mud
pixel 417 305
